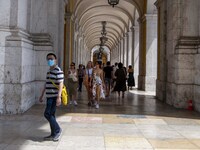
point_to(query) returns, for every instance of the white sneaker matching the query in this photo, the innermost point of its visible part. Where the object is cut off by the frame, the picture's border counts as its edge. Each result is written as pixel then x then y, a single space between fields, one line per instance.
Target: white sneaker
pixel 75 103
pixel 70 102
pixel 95 103
pixel 97 106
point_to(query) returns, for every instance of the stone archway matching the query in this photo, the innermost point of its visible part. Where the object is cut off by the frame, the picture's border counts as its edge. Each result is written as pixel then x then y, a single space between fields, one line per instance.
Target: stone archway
pixel 131 36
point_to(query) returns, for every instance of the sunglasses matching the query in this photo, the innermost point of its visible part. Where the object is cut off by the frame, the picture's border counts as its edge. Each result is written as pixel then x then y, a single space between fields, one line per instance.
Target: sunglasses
pixel 50 59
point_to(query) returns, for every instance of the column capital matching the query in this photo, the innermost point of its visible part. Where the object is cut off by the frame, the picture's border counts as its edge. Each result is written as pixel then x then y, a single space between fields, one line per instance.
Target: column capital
pixel 142 19
pixel 130 33
pixel 125 35
pixel 69 16
pixel 146 17
pixel 133 28
pixel 158 3
pixel 151 16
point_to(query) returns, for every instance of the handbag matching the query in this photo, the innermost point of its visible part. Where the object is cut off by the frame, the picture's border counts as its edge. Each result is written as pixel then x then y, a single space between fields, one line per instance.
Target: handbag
pixel 74 78
pixel 64 94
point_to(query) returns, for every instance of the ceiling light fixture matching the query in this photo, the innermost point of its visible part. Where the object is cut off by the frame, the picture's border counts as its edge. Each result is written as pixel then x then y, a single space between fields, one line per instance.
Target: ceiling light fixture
pixel 113 2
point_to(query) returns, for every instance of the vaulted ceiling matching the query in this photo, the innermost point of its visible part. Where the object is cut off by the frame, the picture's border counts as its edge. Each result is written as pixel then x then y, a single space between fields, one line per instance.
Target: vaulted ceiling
pixel 90 14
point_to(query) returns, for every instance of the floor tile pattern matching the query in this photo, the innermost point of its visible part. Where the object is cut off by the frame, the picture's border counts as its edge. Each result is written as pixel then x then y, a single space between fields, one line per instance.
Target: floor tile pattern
pixel 137 122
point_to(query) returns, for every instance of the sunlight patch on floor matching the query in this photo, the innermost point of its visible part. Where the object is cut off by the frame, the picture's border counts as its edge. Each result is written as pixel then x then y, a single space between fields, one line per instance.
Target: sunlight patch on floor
pixel 142 92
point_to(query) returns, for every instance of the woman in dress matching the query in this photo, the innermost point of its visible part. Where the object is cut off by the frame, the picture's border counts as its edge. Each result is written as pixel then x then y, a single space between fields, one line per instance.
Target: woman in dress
pixel 131 80
pixel 88 82
pixel 98 84
pixel 72 81
pixel 120 80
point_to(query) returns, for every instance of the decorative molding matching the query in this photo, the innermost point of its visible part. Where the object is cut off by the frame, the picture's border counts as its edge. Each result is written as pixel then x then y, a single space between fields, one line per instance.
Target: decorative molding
pixel 18 34
pixel 187 45
pixel 41 39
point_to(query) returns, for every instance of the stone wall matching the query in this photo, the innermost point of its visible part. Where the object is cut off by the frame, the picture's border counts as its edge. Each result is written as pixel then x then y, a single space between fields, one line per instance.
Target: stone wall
pixel 28 31
pixel 178 53
pixel 197 81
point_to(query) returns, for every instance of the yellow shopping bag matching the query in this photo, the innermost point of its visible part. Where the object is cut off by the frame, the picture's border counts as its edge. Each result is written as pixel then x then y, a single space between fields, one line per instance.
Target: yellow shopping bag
pixel 64 95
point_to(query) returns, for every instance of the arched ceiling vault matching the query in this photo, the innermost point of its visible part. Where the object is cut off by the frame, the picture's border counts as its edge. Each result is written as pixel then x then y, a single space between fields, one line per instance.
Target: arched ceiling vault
pixel 96 43
pixel 98 28
pixel 109 17
pixel 113 24
pixel 90 14
pixel 98 10
pixel 96 38
pixel 96 34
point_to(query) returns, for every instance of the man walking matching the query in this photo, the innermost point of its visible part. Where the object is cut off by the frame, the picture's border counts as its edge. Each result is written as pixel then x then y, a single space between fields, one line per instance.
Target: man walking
pixel 108 76
pixel 53 88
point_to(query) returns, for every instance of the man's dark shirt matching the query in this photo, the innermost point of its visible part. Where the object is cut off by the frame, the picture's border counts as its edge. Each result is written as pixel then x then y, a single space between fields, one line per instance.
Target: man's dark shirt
pixel 108 72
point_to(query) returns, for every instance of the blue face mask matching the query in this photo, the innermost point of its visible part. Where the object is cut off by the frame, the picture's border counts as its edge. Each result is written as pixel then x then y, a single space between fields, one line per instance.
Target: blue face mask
pixel 51 63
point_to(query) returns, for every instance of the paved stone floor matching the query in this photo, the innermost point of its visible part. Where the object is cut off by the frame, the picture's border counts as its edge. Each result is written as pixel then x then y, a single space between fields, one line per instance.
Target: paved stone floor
pixel 137 122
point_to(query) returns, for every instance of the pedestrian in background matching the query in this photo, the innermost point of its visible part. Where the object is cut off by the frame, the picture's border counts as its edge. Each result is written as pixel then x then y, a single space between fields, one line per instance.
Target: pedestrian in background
pixel 72 82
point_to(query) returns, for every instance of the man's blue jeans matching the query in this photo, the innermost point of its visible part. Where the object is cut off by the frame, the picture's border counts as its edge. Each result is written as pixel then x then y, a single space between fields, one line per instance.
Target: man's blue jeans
pixel 50 116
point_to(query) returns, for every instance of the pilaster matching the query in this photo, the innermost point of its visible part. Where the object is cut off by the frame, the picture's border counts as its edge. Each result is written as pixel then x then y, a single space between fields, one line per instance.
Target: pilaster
pixel 69 32
pixel 121 50
pixel 162 67
pixel 125 50
pixel 142 53
pixel 151 52
pixel 130 50
pixel 135 53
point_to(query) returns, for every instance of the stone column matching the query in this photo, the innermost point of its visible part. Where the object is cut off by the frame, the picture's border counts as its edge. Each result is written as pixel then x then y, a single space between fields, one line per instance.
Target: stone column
pixel 130 54
pixel 69 39
pixel 178 53
pixel 117 54
pixel 161 83
pixel 23 55
pixel 148 52
pixel 114 54
pixel 121 50
pixel 125 50
pixel 142 53
pixel 135 53
pixel 76 50
pixel 151 52
pixel 182 54
pixel 82 49
pixel 5 7
pixel 79 49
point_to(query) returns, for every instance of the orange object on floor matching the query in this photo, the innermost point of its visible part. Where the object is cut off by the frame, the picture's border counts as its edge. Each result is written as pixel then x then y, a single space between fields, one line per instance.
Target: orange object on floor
pixel 190 105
